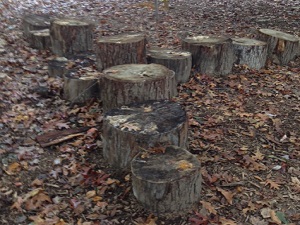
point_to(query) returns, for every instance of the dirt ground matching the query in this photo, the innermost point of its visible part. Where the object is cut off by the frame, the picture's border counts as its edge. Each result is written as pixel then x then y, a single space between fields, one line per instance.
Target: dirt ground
pixel 244 127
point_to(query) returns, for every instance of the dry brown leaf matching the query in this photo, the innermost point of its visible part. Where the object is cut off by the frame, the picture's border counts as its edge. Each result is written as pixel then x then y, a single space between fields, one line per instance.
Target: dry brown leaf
pixel 209 207
pixel 90 194
pixel 13 168
pixel 225 221
pixel 274 218
pixel 273 184
pixel 265 213
pixel 258 155
pixel 228 195
pixel 130 126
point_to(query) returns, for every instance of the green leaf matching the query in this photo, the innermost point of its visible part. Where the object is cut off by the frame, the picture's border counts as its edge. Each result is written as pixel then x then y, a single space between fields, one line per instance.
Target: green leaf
pixel 282 218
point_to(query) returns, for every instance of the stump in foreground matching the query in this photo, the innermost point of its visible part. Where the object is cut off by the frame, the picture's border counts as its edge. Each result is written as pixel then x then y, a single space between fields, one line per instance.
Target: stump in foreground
pixel 120 49
pixel 167 183
pixel 129 129
pixel 125 84
pixel 250 52
pixel 178 61
pixel 210 55
pixel 40 39
pixel 282 47
pixel 70 36
pixel 35 22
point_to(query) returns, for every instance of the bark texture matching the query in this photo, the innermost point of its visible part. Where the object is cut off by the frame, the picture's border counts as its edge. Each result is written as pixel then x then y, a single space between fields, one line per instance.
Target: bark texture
pixel 130 83
pixel 168 182
pixel 282 47
pixel 40 39
pixel 178 61
pixel 120 49
pixel 57 67
pixel 250 52
pixel 210 55
pixel 139 126
pixel 70 37
pixel 35 22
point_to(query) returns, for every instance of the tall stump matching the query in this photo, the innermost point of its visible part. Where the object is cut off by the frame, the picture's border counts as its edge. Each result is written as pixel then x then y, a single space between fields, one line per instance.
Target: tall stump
pixel 128 130
pixel 250 52
pixel 178 61
pixel 34 22
pixel 282 47
pixel 125 84
pixel 70 36
pixel 120 49
pixel 210 55
pixel 168 182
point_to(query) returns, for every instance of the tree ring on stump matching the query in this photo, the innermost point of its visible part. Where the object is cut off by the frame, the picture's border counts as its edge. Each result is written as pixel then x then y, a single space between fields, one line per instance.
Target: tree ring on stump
pixel 168 182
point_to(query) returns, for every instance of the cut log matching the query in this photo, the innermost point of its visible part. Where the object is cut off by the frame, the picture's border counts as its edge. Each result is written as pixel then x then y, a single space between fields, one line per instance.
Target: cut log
pixel 167 183
pixel 125 84
pixel 57 67
pixel 210 55
pixel 129 129
pixel 178 61
pixel 120 49
pixel 250 52
pixel 70 36
pixel 282 47
pixel 40 39
pixel 81 86
pixel 35 22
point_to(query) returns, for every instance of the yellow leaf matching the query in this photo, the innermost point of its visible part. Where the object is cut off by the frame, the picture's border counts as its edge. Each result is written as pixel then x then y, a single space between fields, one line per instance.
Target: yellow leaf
pixel 183 165
pixel 13 168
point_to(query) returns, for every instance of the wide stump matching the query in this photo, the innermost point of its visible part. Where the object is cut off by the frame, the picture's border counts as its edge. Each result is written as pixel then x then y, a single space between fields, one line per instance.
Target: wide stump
pixel 128 130
pixel 34 22
pixel 250 52
pixel 70 36
pixel 125 84
pixel 167 183
pixel 120 49
pixel 282 47
pixel 178 61
pixel 40 39
pixel 210 55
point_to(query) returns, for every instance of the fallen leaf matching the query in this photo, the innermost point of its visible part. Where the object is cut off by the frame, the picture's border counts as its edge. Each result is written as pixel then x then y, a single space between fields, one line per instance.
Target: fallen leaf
pixel 208 206
pixel 225 221
pixel 184 165
pixel 273 184
pixel 274 217
pixel 228 195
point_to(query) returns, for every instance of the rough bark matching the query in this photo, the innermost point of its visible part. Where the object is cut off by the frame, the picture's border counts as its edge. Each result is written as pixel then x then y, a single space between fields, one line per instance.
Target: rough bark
pixel 129 129
pixel 250 52
pixel 70 37
pixel 178 61
pixel 120 49
pixel 40 39
pixel 125 84
pixel 57 67
pixel 210 55
pixel 81 86
pixel 282 47
pixel 167 183
pixel 35 22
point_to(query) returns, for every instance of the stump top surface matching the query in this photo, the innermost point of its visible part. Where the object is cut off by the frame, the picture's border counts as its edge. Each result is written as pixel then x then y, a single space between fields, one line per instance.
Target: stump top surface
pixel 169 54
pixel 171 165
pixel 206 40
pixel 37 20
pixel 122 38
pixel 279 34
pixel 248 42
pixel 70 22
pixel 147 118
pixel 45 32
pixel 137 72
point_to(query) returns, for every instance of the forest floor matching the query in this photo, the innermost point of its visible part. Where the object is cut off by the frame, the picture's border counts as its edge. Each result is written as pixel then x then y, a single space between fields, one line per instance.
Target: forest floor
pixel 244 127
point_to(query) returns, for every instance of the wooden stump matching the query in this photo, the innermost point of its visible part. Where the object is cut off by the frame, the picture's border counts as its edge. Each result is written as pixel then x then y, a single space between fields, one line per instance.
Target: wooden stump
pixel 81 86
pixel 250 52
pixel 282 47
pixel 210 55
pixel 125 84
pixel 120 49
pixel 168 182
pixel 129 129
pixel 57 67
pixel 178 61
pixel 40 39
pixel 35 22
pixel 70 36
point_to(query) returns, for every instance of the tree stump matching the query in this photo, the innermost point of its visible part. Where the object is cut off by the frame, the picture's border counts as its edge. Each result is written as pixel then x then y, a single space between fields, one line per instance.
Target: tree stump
pixel 178 61
pixel 210 55
pixel 81 86
pixel 129 129
pixel 167 183
pixel 120 49
pixel 40 39
pixel 250 52
pixel 35 22
pixel 70 36
pixel 282 47
pixel 57 67
pixel 125 84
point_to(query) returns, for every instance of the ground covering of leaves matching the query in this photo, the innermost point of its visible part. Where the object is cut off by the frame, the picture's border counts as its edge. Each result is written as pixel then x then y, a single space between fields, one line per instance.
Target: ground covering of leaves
pixel 244 127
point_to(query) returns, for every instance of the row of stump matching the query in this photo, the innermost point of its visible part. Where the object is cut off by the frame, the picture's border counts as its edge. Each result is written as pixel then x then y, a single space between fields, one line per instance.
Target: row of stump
pixel 143 130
